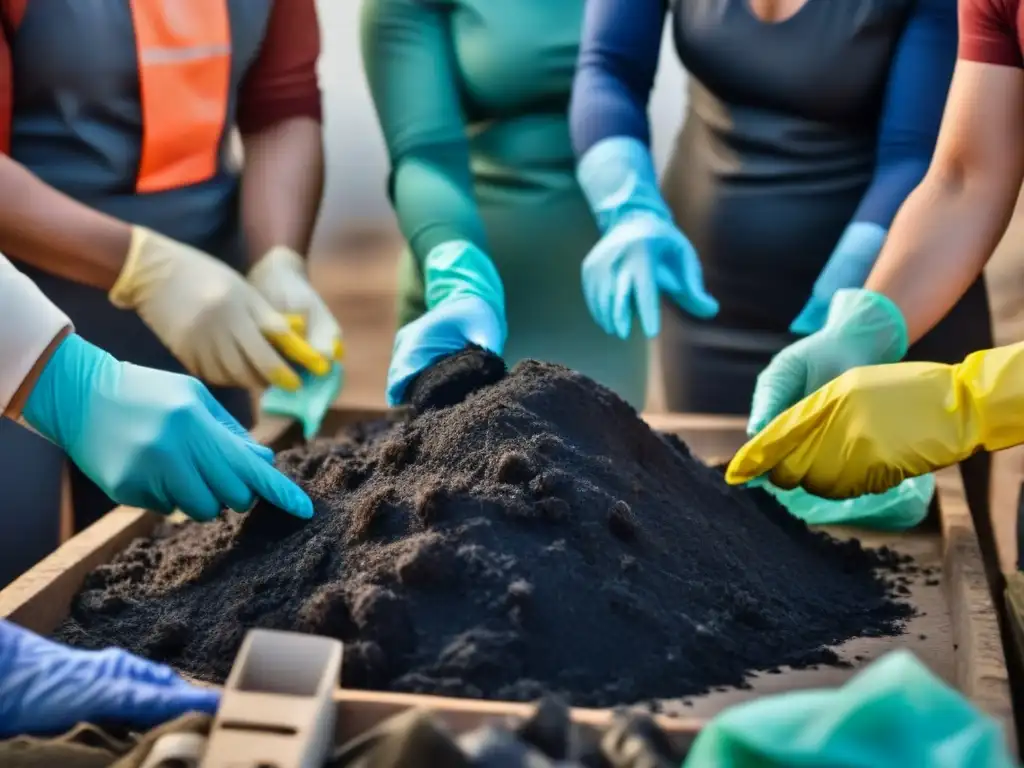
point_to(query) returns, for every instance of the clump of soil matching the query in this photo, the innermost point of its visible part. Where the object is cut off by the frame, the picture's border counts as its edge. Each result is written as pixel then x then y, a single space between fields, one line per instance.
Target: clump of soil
pixel 536 536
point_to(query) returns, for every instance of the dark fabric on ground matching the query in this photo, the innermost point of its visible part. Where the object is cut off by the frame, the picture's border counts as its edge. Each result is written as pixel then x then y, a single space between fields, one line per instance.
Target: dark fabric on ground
pixel 412 739
pixel 537 537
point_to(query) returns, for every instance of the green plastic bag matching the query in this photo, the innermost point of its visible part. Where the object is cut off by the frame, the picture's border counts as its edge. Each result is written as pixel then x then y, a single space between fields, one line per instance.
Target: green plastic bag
pixel 897 509
pixel 309 404
pixel 894 714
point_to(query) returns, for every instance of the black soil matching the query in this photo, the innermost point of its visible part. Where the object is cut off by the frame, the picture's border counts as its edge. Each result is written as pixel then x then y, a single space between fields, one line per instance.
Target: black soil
pixel 537 536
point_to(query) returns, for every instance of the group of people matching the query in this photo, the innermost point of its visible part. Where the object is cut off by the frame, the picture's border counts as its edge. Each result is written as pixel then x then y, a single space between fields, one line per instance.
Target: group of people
pixel 522 178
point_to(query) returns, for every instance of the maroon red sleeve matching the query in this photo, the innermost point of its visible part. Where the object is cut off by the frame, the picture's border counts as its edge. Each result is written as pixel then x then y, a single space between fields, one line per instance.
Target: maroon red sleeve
pixel 282 82
pixel 989 32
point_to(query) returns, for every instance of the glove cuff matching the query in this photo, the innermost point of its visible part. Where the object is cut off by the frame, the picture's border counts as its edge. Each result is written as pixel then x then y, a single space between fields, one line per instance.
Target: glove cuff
pixel 617 177
pixel 874 315
pixel 122 294
pixel 458 268
pixel 278 258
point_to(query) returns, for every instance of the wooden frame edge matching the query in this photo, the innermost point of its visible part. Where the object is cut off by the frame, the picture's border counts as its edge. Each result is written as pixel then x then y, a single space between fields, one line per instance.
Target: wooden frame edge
pixel 980 658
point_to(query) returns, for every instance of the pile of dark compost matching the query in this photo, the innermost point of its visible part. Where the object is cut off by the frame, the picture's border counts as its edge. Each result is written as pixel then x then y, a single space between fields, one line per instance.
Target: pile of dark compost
pixel 536 536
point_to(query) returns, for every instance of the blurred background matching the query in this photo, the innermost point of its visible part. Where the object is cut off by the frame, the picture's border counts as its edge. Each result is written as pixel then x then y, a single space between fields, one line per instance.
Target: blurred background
pixel 357 242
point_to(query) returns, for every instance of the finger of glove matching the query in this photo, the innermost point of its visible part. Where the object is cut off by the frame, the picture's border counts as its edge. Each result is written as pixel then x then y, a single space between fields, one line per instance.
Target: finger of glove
pixel 782 448
pixel 324 332
pixel 223 361
pixel 115 663
pixel 229 422
pixel 259 353
pixel 622 308
pixel 479 324
pixel 190 493
pixel 779 386
pixel 811 317
pixel 216 463
pixel 268 483
pixel 682 278
pixel 417 345
pixel 647 297
pixel 274 327
pixel 145 704
pixel 599 284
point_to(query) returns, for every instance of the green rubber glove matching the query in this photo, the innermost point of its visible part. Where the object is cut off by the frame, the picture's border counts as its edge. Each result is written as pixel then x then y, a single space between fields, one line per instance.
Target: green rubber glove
pixel 309 403
pixel 894 714
pixel 862 328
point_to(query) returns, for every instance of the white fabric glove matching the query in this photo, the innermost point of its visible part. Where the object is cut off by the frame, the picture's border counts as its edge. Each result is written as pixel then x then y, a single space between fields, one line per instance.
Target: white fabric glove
pixel 280 277
pixel 30 323
pixel 217 324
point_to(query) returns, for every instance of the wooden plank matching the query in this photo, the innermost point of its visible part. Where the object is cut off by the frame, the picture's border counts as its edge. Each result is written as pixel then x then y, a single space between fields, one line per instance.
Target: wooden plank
pixel 981 672
pixel 40 598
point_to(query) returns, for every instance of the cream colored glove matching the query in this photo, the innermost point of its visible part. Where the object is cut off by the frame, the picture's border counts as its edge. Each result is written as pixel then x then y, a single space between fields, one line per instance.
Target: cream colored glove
pixel 214 322
pixel 280 277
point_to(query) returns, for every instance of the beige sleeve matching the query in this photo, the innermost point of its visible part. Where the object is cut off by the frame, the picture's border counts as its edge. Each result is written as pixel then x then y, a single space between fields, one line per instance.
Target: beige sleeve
pixel 29 322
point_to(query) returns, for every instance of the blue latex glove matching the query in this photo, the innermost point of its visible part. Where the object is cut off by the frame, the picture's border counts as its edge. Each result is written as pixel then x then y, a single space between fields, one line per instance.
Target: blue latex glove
pixel 153 439
pixel 641 254
pixel 46 687
pixel 309 403
pixel 862 328
pixel 848 267
pixel 465 304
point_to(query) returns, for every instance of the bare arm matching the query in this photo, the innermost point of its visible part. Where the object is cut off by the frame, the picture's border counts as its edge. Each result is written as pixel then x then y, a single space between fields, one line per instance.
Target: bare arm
pixel 51 231
pixel 949 226
pixel 279 118
pixel 282 185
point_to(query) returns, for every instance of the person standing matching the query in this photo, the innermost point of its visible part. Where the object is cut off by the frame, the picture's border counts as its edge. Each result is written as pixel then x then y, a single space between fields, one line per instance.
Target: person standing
pixel 808 122
pixel 941 239
pixel 472 97
pixel 117 193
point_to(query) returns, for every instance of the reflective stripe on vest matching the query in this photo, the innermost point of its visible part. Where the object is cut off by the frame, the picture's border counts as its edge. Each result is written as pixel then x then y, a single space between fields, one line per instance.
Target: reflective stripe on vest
pixel 184 52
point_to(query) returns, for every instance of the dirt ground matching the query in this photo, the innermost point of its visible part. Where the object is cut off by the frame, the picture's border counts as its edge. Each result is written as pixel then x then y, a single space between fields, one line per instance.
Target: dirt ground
pixel 357 277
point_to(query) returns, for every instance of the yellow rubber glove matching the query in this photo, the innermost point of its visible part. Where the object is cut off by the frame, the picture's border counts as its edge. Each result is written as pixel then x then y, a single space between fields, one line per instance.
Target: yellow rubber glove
pixel 870 428
pixel 216 323
pixel 280 277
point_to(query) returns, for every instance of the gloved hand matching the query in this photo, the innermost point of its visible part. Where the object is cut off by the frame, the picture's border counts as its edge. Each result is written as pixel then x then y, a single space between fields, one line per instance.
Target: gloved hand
pixel 862 328
pixel 641 253
pixel 153 439
pixel 280 277
pixel 848 267
pixel 47 688
pixel 218 325
pixel 871 428
pixel 465 304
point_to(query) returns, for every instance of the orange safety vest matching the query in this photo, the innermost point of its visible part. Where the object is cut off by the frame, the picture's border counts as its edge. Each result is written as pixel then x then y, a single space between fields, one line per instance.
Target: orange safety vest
pixel 184 60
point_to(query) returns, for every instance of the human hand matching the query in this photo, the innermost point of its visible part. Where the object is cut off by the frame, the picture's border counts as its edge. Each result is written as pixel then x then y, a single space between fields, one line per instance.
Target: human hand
pixel 215 322
pixel 873 427
pixel 638 259
pixel 280 277
pixel 848 267
pixel 46 687
pixel 153 439
pixel 862 328
pixel 443 330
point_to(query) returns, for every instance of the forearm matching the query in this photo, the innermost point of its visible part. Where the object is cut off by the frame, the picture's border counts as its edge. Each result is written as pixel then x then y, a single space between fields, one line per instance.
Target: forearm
pixel 617 63
pixel 32 329
pixel 937 247
pixel 282 185
pixel 53 232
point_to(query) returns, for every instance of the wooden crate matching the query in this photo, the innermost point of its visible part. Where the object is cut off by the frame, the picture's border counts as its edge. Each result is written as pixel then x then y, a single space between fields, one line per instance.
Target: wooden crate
pixel 957 634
